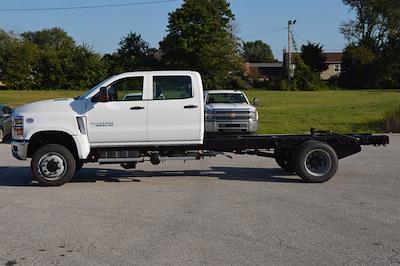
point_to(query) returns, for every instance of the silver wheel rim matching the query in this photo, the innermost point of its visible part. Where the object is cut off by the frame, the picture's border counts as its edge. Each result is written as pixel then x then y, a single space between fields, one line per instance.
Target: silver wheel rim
pixel 1 135
pixel 52 166
pixel 318 162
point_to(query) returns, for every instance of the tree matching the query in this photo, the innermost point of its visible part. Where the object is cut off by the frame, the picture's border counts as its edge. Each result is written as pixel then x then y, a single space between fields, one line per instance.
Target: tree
pixel 200 38
pixel 375 21
pixel 55 37
pixel 62 64
pixel 133 54
pixel 257 52
pixel 313 56
pixel 17 61
pixel 359 69
pixel 374 34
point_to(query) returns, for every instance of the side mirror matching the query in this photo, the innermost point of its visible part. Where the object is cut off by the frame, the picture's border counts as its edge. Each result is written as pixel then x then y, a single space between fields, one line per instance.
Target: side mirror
pixel 102 96
pixel 6 115
pixel 256 102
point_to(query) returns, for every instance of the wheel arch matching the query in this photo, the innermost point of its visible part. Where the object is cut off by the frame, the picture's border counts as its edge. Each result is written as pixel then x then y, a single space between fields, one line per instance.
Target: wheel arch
pixel 41 138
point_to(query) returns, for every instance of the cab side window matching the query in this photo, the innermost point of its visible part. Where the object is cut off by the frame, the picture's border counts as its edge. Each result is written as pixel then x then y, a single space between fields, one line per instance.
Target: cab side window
pixel 172 87
pixel 127 89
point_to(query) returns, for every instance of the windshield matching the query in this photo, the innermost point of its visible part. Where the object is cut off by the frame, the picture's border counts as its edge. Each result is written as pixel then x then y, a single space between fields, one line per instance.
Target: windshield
pixel 226 98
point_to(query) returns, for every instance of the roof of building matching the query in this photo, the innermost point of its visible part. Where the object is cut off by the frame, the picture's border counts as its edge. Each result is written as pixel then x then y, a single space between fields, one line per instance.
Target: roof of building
pixel 334 57
pixel 331 57
pixel 266 65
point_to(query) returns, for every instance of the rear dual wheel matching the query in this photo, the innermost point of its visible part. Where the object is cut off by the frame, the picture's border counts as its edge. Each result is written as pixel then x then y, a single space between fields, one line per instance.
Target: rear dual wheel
pixel 316 162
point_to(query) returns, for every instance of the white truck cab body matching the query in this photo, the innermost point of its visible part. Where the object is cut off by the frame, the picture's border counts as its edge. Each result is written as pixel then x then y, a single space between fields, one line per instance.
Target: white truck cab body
pixel 170 112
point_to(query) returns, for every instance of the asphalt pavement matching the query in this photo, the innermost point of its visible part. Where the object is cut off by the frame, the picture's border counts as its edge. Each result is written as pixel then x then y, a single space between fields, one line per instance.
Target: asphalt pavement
pixel 221 211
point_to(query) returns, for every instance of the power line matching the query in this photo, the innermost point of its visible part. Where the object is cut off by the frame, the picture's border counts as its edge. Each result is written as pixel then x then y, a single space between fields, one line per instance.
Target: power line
pixel 84 7
pixel 265 32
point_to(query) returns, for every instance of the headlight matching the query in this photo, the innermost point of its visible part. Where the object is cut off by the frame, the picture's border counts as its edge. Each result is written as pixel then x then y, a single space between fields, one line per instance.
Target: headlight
pixel 254 115
pixel 17 121
pixel 17 127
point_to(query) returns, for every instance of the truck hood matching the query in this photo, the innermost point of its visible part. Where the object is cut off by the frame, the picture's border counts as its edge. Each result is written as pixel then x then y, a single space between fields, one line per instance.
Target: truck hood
pixel 214 106
pixel 55 106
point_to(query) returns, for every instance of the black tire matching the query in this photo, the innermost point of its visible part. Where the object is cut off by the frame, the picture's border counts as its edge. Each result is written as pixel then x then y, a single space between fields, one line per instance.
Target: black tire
pixel 1 135
pixel 79 165
pixel 53 165
pixel 316 162
pixel 285 161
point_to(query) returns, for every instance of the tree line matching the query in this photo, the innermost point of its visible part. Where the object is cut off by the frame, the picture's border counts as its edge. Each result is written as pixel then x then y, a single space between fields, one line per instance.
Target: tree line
pixel 201 37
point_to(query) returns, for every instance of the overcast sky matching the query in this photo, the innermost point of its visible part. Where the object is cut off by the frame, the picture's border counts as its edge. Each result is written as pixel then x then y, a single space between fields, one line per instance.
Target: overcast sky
pixel 102 28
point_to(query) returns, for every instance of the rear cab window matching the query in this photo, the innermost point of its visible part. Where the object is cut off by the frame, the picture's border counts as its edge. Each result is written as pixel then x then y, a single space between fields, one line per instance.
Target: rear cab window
pixel 172 87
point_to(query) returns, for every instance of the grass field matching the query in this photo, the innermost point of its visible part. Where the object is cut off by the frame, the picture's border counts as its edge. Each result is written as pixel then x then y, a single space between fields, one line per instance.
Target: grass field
pixel 287 112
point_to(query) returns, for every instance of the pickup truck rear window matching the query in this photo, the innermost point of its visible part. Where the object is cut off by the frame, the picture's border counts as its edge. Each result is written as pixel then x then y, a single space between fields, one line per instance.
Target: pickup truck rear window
pixel 172 87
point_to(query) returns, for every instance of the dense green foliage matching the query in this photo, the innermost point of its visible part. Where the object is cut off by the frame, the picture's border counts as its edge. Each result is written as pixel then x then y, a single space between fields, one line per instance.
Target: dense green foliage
pixel 372 58
pixel 257 52
pixel 133 54
pixel 47 59
pixel 200 38
pixel 313 56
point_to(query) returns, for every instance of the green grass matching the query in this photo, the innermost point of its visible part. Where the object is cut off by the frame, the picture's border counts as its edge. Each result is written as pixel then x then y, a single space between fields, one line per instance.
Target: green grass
pixel 287 112
pixel 342 111
pixel 17 98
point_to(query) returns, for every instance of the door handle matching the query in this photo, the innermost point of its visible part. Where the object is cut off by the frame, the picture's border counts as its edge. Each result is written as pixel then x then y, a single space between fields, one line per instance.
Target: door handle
pixel 137 108
pixel 190 106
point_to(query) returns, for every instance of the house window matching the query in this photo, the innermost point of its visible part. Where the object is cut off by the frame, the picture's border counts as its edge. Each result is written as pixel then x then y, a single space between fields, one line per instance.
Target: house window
pixel 338 68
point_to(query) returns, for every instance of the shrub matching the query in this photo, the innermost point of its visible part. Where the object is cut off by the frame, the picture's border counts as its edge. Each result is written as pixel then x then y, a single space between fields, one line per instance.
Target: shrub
pixel 391 122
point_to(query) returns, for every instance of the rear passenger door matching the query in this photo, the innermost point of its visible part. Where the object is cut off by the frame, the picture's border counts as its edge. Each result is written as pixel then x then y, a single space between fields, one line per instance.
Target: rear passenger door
pixel 175 111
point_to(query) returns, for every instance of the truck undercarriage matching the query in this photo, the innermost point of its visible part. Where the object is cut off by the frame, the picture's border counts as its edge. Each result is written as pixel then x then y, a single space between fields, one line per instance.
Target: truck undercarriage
pixel 314 157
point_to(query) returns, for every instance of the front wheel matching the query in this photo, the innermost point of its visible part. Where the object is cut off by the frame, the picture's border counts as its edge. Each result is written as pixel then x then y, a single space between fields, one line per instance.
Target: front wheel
pixel 1 135
pixel 316 162
pixel 53 165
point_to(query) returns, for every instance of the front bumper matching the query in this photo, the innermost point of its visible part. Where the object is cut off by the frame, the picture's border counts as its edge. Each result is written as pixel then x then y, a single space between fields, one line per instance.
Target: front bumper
pixel 246 126
pixel 20 149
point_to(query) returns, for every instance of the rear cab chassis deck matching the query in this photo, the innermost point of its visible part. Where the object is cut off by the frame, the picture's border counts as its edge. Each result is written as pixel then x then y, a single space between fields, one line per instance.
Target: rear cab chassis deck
pixel 287 150
pixel 344 144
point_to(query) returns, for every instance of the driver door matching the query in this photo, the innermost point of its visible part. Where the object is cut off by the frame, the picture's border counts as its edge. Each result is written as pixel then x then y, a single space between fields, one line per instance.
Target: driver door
pixel 123 118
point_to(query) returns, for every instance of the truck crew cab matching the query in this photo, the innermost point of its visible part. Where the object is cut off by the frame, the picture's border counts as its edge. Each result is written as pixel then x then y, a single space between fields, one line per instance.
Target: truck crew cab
pixel 165 120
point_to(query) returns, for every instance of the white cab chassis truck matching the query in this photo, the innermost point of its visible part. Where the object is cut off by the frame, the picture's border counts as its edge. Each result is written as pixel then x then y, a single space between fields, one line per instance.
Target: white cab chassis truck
pixel 163 121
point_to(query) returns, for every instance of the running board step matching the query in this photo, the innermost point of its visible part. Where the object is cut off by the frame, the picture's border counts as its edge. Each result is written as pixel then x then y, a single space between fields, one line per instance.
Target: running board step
pixel 119 160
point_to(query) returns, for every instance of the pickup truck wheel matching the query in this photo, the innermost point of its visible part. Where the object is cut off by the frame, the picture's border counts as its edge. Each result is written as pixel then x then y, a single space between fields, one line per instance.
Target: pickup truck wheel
pixel 284 161
pixel 53 165
pixel 316 162
pixel 1 135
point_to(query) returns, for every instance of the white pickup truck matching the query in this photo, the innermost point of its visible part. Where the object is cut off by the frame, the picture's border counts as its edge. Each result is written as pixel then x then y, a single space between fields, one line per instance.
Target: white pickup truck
pixel 165 120
pixel 229 112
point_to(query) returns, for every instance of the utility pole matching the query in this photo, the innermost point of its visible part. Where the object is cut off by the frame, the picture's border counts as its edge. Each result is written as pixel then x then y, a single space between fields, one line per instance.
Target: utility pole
pixel 289 59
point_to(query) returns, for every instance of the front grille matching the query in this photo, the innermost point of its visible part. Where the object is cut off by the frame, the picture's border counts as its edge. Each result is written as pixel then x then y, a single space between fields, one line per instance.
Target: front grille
pixel 231 115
